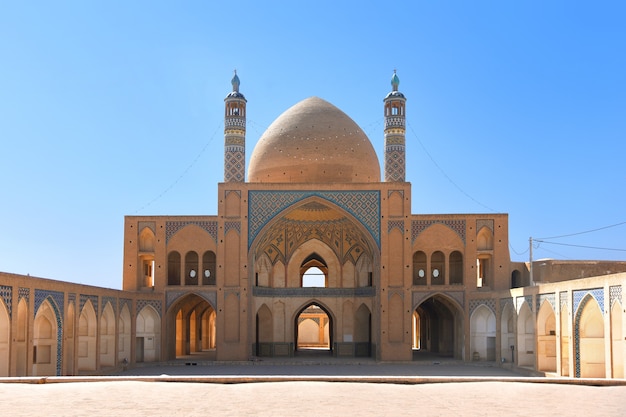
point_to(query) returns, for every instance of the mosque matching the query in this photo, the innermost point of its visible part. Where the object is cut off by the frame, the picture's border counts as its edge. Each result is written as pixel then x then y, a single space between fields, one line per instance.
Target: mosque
pixel 314 251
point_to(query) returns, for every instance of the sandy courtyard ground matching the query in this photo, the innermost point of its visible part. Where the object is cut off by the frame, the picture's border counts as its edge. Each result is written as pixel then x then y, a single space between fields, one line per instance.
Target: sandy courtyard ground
pixel 138 398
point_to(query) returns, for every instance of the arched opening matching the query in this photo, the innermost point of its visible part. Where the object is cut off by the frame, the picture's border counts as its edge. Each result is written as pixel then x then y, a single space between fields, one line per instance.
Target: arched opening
pixel 191 268
pixel 68 332
pixel 264 331
pixel 148 335
pixel 590 348
pixel 456 268
pixel 45 346
pixel 437 268
pixel 419 268
pixel 483 334
pixel 507 333
pixel 363 331
pixel 314 272
pixel 123 334
pixel 5 336
pixel 20 345
pixel 437 329
pixel 208 268
pixel 546 338
pixel 173 268
pixel 107 337
pixel 313 331
pixel 87 336
pixel 525 337
pixel 191 329
pixel 516 279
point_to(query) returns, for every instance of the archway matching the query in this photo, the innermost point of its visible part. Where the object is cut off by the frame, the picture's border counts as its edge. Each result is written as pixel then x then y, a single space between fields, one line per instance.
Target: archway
pixel 123 330
pixel 437 329
pixel 617 341
pixel 107 337
pixel 148 335
pixel 483 334
pixel 546 338
pixel 45 341
pixel 507 333
pixel 313 330
pixel 589 327
pixel 525 337
pixel 87 327
pixel 191 329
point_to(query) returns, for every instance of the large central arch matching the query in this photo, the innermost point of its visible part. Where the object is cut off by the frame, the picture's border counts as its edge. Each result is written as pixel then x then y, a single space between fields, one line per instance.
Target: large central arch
pixel 191 328
pixel 437 328
pixel 313 330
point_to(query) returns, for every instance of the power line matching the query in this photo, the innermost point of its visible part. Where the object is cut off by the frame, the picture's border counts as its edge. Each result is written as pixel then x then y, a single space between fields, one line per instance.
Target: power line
pixel 446 175
pixel 581 233
pixel 579 246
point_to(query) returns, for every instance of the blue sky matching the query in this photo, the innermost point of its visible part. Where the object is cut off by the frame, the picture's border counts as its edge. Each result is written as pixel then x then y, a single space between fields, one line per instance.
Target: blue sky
pixel 114 108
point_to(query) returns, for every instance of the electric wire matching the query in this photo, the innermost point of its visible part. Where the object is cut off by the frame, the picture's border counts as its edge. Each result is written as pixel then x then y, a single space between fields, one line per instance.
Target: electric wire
pixel 581 233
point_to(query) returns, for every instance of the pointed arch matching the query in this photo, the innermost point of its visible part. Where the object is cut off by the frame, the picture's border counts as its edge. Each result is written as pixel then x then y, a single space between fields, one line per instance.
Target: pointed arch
pixel 20 345
pixel 107 337
pixel 314 327
pixel 483 334
pixel 363 331
pixel 525 336
pixel 589 339
pixel 507 332
pixel 264 331
pixel 546 338
pixel 304 252
pixel 148 335
pixel 438 327
pixel 87 337
pixel 46 340
pixel 70 335
pixel 617 340
pixel 124 334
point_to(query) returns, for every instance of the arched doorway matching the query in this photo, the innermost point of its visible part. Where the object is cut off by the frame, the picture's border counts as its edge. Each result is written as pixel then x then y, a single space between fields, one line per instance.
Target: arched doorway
pixel 313 331
pixel 589 329
pixel 507 333
pixel 483 334
pixel 525 337
pixel 45 341
pixel 191 329
pixel 148 335
pixel 437 329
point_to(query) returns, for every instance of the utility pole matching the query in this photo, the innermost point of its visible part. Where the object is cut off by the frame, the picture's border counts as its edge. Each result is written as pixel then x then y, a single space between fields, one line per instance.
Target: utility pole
pixel 530 264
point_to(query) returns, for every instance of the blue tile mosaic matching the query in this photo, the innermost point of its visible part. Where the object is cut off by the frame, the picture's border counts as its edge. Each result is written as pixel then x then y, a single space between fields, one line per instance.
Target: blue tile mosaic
pixel 6 293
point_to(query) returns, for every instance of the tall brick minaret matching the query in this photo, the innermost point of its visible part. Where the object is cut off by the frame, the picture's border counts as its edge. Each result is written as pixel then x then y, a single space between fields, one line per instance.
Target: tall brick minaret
pixel 395 133
pixel 235 134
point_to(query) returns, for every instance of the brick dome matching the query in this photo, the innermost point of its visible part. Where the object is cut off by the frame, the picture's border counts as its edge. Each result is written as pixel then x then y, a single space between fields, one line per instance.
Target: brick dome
pixel 314 142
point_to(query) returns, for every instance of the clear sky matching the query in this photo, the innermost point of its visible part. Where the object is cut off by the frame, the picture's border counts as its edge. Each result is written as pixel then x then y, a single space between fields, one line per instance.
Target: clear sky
pixel 114 108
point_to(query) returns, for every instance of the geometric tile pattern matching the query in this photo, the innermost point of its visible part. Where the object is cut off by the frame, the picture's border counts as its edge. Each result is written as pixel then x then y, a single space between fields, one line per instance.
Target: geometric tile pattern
pixel 265 205
pixel 55 299
pixel 395 224
pixel 234 163
pixel 172 227
pixel 418 226
pixel 23 293
pixel 480 223
pixel 394 163
pixel 615 294
pixel 504 302
pixel 156 304
pixel 6 293
pixel 563 300
pixel 490 303
pixel 597 293
pixel 56 296
pixel 540 298
pixel 94 302
pixel 112 301
pixel 126 302
pixel 236 226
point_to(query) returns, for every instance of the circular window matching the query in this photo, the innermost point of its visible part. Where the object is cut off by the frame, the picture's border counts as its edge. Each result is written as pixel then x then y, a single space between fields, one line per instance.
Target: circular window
pixel 436 273
pixel 192 273
pixel 421 273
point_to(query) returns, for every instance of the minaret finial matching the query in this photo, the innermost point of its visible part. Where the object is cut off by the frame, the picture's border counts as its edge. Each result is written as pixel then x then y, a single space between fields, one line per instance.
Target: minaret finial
pixel 235 82
pixel 395 81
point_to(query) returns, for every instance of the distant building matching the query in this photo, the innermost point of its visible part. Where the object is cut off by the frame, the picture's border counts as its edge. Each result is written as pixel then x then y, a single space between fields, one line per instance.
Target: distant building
pixel 318 252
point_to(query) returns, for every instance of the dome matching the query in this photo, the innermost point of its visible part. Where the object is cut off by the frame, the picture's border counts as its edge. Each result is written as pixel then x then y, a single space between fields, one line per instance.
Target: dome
pixel 314 142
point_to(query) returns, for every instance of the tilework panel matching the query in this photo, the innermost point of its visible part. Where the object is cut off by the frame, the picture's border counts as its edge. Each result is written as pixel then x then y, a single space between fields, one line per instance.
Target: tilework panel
pixel 563 300
pixel 480 223
pixel 156 304
pixel 597 293
pixel 71 297
pixel 111 300
pixel 236 226
pixel 172 227
pixel 491 304
pixel 265 205
pixel 6 293
pixel 540 298
pixel 313 292
pixel 395 224
pixel 418 226
pixel 94 302
pixel 419 297
pixel 41 295
pixel 23 293
pixel 615 294
pixel 504 302
pixel 520 300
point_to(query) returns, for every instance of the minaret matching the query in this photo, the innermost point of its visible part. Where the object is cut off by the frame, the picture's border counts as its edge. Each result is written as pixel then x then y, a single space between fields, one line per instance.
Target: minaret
pixel 395 132
pixel 235 134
